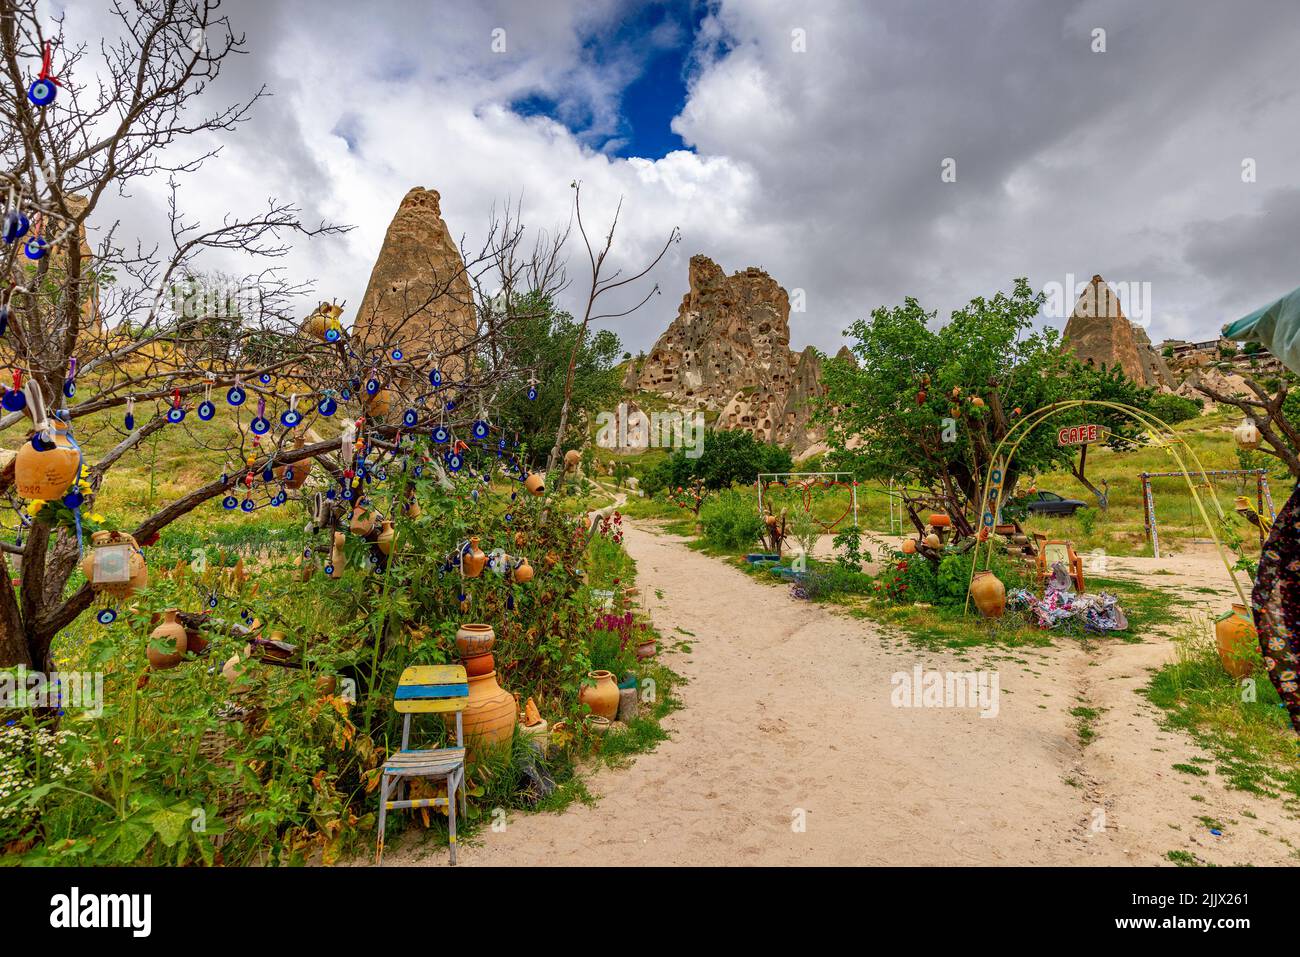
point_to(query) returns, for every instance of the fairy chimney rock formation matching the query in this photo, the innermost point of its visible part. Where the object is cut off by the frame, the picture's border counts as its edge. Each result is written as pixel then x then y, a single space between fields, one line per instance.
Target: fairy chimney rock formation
pixel 419 298
pixel 728 351
pixel 1098 332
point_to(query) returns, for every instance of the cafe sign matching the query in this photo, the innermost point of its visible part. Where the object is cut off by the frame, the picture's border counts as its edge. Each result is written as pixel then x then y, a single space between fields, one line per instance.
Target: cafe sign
pixel 1080 435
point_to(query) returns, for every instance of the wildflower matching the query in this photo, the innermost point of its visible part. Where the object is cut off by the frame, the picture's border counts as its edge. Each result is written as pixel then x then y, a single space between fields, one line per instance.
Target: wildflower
pixel 96 517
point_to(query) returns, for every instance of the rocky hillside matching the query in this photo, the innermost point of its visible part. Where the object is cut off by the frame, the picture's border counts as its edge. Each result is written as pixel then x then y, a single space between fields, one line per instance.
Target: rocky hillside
pixel 728 351
pixel 1098 332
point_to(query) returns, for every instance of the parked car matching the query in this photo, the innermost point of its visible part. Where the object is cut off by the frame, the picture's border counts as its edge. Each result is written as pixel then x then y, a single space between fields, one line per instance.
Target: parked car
pixel 1049 503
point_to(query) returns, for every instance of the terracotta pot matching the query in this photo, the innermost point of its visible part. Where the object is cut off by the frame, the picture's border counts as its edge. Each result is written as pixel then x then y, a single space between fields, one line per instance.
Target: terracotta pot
pixel 300 469
pixel 989 593
pixel 932 540
pixel 235 671
pixel 46 475
pixel 1234 634
pixel 490 715
pixel 571 460
pixel 385 539
pixel 472 561
pixel 536 484
pixel 940 521
pixel 909 546
pixel 1004 529
pixel 326 685
pixel 474 639
pixel 476 665
pixel 646 649
pixel 136 567
pixel 381 403
pixel 413 509
pixel 602 698
pixel 524 573
pixel 337 558
pixel 597 723
pixel 171 633
pixel 363 522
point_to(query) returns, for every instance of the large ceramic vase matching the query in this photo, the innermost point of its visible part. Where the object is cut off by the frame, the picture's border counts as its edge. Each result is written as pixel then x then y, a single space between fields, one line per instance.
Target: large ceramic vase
pixel 473 639
pixel 490 714
pixel 1234 634
pixel 602 697
pixel 46 475
pixel 136 567
pixel 989 593
pixel 171 633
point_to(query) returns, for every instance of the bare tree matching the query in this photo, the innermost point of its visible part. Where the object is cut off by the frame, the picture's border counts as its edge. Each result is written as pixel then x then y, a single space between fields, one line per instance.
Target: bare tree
pixel 600 285
pixel 1280 437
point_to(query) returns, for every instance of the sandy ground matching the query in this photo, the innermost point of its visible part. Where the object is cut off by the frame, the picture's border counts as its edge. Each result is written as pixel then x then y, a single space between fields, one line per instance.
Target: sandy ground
pixel 789 751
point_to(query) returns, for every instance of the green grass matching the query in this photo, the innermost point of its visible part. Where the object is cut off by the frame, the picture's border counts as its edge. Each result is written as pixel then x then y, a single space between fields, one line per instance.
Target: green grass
pixel 1252 742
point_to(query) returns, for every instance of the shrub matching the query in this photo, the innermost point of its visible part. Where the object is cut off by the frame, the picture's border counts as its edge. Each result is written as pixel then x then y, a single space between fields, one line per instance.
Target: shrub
pixel 1173 408
pixel 729 457
pixel 1087 518
pixel 731 521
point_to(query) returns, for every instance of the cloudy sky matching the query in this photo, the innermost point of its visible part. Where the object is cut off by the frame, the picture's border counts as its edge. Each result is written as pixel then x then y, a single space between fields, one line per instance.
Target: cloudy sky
pixel 809 139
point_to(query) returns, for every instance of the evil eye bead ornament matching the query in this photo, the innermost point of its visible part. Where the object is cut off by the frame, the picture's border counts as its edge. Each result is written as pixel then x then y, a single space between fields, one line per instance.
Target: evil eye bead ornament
pixel 4 319
pixel 440 434
pixel 327 406
pixel 207 410
pixel 264 378
pixel 248 505
pixel 42 92
pixel 372 386
pixel 532 393
pixel 236 396
pixel 14 400
pixel 229 502
pixel 15 227
pixel 480 430
pixel 290 418
pixel 332 332
pixel 260 426
pixel 435 378
pixel 454 461
pixel 397 355
pixel 107 616
pixel 409 418
pixel 35 248
pixel 175 415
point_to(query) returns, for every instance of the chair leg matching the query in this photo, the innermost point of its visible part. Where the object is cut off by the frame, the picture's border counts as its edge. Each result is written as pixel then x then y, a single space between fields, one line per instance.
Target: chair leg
pixel 383 814
pixel 451 818
pixel 460 780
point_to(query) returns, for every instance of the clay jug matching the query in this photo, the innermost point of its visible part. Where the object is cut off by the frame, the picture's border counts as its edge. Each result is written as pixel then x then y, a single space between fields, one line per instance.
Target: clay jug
pixel 473 560
pixel 1234 635
pixel 363 522
pixel 909 546
pixel 601 698
pixel 933 541
pixel 536 484
pixel 1247 434
pixel 170 633
pixel 385 540
pixel 571 460
pixel 46 475
pixel 474 639
pixel 524 573
pixel 989 593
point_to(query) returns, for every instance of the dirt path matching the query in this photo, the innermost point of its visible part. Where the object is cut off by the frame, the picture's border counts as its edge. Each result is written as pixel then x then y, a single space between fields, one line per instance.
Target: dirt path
pixel 788 719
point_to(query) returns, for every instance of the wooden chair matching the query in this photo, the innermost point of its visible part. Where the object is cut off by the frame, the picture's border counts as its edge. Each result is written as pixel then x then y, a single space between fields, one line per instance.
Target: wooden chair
pixel 1058 550
pixel 427 689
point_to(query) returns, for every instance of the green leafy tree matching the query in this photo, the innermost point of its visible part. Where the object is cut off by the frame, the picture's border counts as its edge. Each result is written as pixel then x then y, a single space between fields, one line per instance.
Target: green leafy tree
pixel 542 340
pixel 729 457
pixel 927 405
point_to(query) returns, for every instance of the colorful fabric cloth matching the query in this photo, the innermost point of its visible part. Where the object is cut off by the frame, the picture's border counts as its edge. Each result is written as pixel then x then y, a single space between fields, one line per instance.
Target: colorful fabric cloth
pixel 1276 603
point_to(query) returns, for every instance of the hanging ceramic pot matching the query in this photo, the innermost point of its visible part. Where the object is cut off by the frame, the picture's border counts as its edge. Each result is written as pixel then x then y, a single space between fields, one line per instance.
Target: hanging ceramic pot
pixel 46 473
pixel 1247 434
pixel 169 634
pixel 385 539
pixel 536 483
pixel 932 541
pixel 294 476
pixel 1235 638
pixel 909 546
pixel 989 593
pixel 363 522
pixel 602 697
pixel 115 565
pixel 337 557
pixel 524 572
pixel 938 520
pixel 472 559
pixel 571 460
